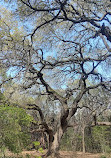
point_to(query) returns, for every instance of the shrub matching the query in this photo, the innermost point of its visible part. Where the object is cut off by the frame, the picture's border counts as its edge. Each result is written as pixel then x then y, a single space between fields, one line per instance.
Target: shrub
pixel 14 131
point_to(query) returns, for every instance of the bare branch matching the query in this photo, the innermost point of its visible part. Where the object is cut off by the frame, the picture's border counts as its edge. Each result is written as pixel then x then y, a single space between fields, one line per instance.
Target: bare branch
pixel 101 124
pixel 40 9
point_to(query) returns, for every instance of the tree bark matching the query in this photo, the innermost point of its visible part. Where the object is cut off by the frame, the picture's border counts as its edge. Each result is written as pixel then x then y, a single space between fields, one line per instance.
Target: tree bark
pixel 54 143
pixel 83 139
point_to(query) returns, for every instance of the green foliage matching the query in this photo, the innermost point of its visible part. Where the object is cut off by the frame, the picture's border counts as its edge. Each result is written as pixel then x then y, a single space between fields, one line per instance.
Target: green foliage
pixel 40 150
pixel 67 140
pixel 37 146
pixel 101 136
pixel 14 123
pixel 103 156
pixel 1 97
pixel 36 143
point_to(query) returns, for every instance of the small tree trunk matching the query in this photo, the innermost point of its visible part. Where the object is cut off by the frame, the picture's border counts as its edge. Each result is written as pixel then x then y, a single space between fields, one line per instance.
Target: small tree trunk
pixel 83 139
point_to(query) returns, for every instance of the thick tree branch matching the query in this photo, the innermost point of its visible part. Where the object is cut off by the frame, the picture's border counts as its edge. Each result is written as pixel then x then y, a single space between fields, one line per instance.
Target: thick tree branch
pixel 49 90
pixel 43 121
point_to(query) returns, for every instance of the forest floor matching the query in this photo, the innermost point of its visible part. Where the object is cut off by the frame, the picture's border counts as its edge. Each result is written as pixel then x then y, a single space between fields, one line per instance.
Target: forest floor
pixel 64 154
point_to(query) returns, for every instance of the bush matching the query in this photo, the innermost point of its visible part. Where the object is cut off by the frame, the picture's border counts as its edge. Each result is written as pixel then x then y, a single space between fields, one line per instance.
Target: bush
pixel 14 132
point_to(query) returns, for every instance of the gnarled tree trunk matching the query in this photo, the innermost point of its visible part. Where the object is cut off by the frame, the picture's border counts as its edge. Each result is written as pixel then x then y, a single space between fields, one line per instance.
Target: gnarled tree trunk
pixel 54 143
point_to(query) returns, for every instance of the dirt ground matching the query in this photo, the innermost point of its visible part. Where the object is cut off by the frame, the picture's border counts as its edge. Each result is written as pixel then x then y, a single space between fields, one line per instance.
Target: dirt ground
pixel 64 154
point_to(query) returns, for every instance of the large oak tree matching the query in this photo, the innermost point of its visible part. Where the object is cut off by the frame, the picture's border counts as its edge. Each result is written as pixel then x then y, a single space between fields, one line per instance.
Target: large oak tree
pixel 62 42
